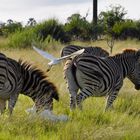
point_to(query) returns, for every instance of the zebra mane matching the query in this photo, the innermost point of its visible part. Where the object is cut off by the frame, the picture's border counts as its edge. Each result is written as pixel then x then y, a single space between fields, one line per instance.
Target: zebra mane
pixel 127 52
pixel 101 50
pixel 27 67
pixel 130 51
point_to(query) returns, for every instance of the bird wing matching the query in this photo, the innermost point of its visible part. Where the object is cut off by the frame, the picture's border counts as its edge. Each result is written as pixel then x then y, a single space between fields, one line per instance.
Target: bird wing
pixel 57 60
pixel 44 54
pixel 72 54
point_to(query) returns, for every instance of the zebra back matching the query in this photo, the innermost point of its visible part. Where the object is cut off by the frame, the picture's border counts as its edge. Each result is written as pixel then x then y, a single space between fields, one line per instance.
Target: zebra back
pixel 98 51
pixel 125 64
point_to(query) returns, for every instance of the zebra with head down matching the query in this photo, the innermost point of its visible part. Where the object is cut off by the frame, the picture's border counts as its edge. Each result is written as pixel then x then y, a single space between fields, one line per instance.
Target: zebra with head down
pixel 22 77
pixel 96 76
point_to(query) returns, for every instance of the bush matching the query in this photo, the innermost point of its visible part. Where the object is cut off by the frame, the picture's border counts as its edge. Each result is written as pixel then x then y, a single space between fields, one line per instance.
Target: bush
pixel 22 39
pixel 7 29
pixel 52 28
pixel 48 43
pixel 124 30
pixel 109 18
pixel 77 27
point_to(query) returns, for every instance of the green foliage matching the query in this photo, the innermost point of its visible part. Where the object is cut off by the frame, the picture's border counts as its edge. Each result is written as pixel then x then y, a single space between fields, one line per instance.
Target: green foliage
pixel 51 32
pixel 124 30
pixel 50 27
pixel 48 43
pixel 114 15
pixel 78 27
pixel 10 27
pixel 22 39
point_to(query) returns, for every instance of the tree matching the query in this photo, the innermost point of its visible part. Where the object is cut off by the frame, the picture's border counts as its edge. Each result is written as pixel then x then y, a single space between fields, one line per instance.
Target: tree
pixel 11 27
pixel 31 22
pixel 9 21
pixel 111 17
pixel 78 27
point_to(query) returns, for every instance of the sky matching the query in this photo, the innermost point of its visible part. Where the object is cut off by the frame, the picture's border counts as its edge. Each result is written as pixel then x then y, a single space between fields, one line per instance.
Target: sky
pixel 40 10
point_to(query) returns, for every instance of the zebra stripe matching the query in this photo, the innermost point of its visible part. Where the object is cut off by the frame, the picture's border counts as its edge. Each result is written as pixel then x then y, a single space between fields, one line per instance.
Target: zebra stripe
pixel 22 77
pixel 91 50
pixel 96 76
pixel 70 80
pixel 36 86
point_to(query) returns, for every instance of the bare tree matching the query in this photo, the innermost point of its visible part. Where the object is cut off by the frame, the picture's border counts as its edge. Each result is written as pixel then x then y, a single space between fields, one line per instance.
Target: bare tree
pixel 110 43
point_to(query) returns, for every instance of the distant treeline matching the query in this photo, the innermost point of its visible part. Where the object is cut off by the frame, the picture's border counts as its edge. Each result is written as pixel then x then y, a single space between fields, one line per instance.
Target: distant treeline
pixel 110 23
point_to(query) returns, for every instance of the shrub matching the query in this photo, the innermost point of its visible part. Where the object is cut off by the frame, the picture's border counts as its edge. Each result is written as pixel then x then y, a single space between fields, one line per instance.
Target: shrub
pixel 109 18
pixel 10 27
pixel 77 27
pixel 124 30
pixel 48 43
pixel 51 27
pixel 22 39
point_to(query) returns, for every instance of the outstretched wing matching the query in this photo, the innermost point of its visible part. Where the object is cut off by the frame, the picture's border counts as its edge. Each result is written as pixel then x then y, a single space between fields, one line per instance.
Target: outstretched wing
pixel 44 54
pixel 57 60
pixel 72 54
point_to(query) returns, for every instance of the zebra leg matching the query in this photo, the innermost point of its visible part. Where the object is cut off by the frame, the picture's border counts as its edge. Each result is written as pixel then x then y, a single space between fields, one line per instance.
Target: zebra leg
pixel 82 96
pixel 79 101
pixel 110 99
pixel 73 95
pixel 2 105
pixel 12 102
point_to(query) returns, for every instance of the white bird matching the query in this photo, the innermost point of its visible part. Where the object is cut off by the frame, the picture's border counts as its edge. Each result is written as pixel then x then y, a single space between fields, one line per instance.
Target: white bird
pixel 54 60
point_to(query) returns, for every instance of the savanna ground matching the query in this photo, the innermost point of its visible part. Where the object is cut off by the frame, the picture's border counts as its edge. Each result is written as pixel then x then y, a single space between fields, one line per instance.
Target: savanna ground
pixel 122 123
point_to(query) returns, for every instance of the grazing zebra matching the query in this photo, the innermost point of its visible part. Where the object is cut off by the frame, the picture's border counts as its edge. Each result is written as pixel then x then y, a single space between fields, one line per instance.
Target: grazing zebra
pixel 96 76
pixel 22 77
pixel 97 51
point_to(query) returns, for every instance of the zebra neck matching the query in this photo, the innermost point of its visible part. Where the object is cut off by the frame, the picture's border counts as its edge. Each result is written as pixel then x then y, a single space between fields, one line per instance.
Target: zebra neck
pixel 125 63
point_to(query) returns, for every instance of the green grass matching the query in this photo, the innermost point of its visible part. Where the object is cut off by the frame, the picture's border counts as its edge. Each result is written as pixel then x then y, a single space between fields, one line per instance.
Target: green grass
pixel 122 123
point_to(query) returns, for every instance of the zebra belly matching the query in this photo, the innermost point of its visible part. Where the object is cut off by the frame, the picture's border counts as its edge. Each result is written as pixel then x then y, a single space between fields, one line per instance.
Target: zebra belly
pixel 6 91
pixel 4 94
pixel 91 85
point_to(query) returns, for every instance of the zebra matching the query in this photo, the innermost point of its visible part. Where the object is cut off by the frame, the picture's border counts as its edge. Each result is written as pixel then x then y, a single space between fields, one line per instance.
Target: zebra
pixel 97 51
pixel 18 77
pixel 98 76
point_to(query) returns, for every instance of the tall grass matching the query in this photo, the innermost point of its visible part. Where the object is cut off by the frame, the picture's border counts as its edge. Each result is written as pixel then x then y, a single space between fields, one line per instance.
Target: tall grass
pixel 122 123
